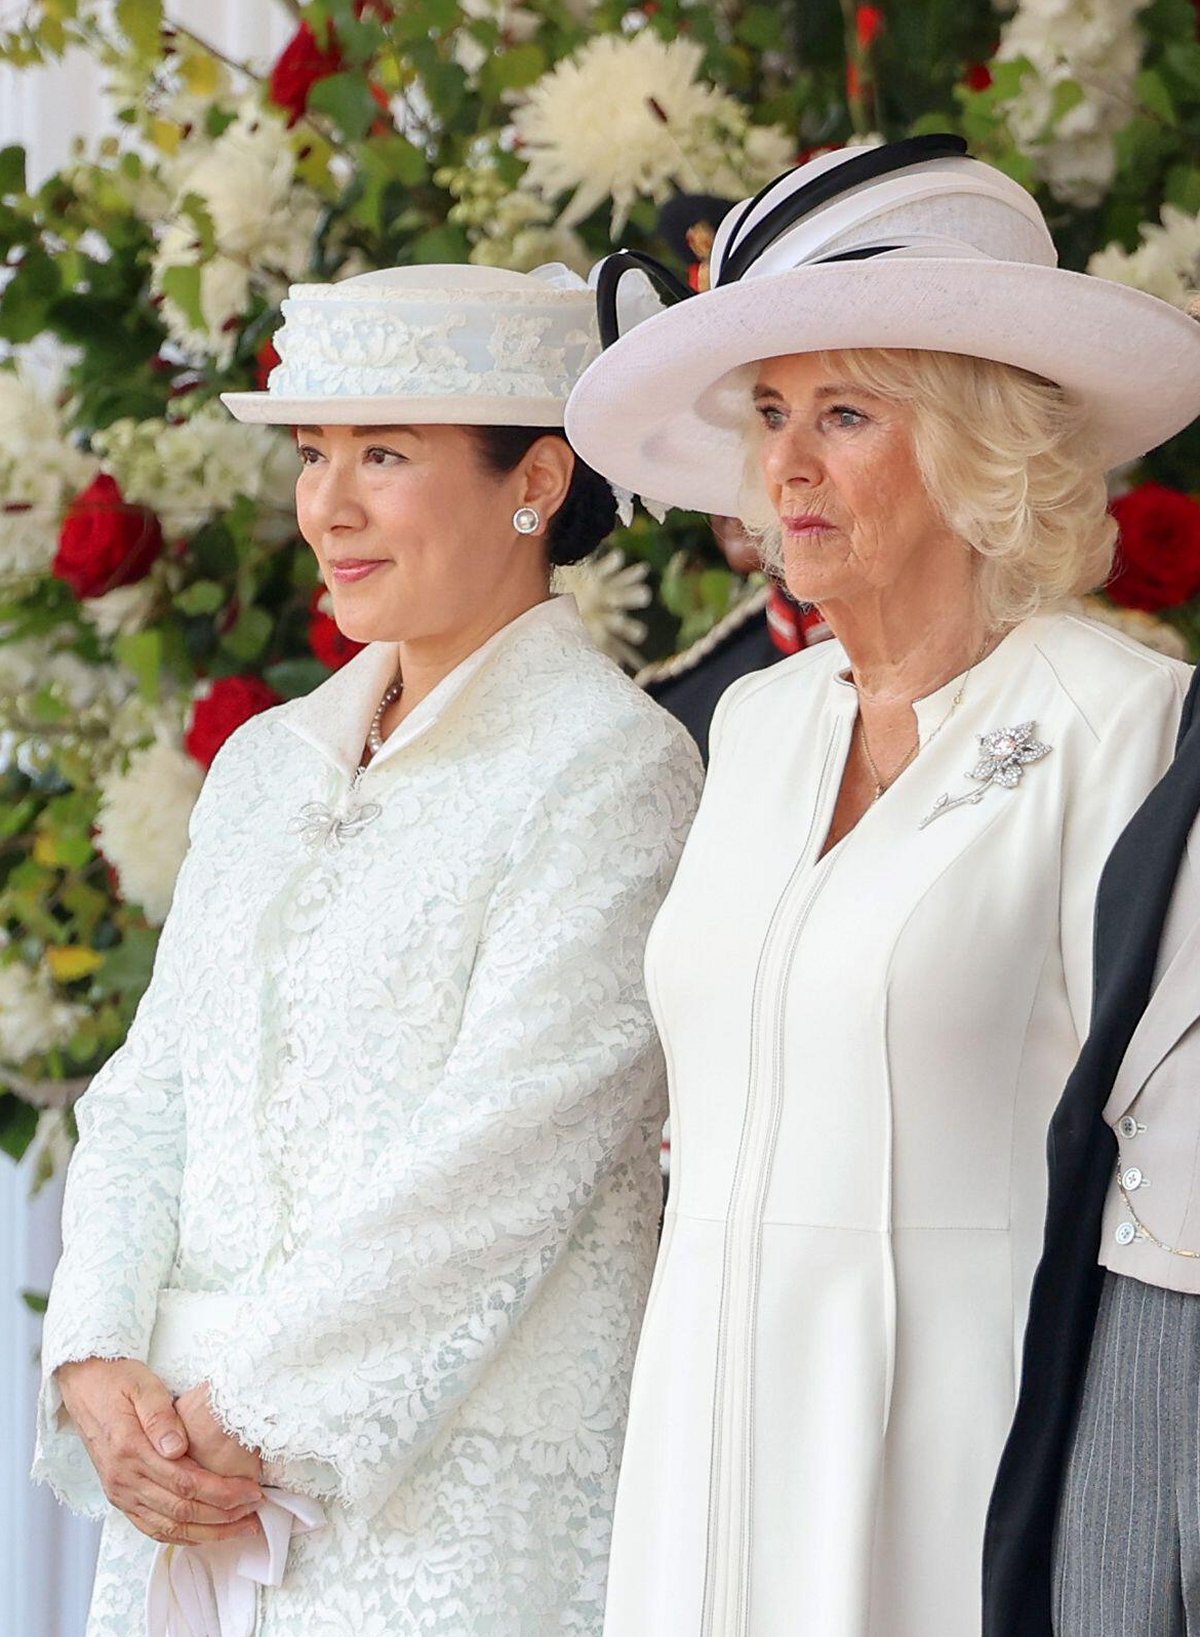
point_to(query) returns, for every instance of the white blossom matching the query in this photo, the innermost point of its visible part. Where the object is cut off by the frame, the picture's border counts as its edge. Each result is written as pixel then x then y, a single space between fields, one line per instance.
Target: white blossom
pixel 607 589
pixel 1145 628
pixel 263 224
pixel 123 610
pixel 1165 264
pixel 522 234
pixel 1097 45
pixel 628 118
pixel 41 471
pixel 142 824
pixel 190 471
pixel 515 22
pixel 34 1018
pixel 34 664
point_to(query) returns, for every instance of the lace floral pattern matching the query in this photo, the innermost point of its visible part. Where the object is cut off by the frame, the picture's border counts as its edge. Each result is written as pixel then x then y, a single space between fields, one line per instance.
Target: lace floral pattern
pixel 434 350
pixel 401 1102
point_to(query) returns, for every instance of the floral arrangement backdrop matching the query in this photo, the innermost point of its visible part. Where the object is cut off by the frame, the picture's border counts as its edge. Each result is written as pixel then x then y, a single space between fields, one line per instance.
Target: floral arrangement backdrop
pixel 153 591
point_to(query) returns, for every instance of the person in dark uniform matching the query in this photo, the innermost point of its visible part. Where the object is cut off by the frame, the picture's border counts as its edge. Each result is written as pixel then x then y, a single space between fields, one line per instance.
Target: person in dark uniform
pixel 1094 1523
pixel 763 626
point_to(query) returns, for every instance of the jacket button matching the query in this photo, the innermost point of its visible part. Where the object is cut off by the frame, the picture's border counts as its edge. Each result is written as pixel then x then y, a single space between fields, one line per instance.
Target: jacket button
pixel 1131 1179
pixel 1126 1234
pixel 1127 1126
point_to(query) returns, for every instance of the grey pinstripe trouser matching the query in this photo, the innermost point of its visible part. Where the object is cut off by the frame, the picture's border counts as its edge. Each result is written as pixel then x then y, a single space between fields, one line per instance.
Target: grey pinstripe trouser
pixel 1127 1547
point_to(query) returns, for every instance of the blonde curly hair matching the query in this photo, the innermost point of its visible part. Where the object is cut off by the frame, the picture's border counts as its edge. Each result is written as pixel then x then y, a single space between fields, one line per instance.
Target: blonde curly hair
pixel 1008 459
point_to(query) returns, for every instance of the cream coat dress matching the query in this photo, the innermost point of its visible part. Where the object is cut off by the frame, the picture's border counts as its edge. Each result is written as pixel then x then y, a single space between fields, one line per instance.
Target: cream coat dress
pixel 379 1159
pixel 864 1050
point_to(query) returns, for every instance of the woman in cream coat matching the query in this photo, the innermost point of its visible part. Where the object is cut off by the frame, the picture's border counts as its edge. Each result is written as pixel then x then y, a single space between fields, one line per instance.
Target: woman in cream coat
pixel 872 973
pixel 373 1183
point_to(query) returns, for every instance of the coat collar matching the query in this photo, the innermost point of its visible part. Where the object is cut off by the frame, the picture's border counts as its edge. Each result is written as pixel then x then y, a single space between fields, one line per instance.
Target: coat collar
pixel 1174 1004
pixel 335 717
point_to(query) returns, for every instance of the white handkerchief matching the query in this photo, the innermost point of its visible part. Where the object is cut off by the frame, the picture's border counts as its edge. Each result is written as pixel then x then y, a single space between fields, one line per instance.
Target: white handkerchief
pixel 212 1591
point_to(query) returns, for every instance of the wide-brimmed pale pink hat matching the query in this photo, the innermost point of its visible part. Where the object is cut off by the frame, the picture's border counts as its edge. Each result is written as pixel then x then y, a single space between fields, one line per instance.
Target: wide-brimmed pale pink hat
pixel 910 245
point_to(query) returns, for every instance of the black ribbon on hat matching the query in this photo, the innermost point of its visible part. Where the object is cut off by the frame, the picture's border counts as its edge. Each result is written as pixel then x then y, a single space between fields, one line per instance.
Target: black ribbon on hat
pixel 740 255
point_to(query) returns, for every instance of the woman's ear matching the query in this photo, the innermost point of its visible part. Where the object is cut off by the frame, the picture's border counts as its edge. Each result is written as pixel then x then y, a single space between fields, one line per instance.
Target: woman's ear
pixel 545 475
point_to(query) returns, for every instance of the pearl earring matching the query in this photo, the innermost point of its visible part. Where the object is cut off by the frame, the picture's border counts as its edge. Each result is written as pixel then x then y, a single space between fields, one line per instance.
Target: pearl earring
pixel 526 520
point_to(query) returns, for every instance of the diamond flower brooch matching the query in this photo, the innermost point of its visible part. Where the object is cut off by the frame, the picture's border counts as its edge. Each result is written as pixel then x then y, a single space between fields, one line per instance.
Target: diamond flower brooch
pixel 1004 755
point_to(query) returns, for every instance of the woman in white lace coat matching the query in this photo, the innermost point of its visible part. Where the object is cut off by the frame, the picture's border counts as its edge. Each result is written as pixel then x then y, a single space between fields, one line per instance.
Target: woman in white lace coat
pixel 372 1186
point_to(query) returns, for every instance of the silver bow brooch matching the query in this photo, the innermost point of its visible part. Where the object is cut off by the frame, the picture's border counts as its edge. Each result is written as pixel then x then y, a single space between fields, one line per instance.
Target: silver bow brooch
pixel 1004 756
pixel 318 825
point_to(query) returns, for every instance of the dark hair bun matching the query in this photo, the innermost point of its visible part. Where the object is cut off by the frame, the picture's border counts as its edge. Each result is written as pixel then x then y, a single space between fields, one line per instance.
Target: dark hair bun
pixel 586 517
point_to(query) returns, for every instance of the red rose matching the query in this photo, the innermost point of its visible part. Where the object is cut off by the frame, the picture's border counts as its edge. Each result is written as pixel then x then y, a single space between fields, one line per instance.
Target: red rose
pixel 230 702
pixel 265 361
pixel 105 542
pixel 324 637
pixel 868 25
pixel 1158 556
pixel 979 77
pixel 301 64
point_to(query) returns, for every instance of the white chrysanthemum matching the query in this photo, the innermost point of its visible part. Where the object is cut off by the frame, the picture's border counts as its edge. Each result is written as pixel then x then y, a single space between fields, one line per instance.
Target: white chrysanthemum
pixel 606 589
pixel 1097 45
pixel 627 119
pixel 1165 264
pixel 40 473
pixel 263 224
pixel 34 1019
pixel 142 824
pixel 190 471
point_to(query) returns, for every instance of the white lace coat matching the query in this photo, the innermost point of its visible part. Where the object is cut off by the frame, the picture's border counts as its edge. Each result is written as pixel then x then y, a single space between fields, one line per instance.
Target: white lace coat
pixel 385 1131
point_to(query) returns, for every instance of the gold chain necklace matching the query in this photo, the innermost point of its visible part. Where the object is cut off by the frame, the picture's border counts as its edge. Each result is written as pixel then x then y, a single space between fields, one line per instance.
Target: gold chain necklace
pixel 878 782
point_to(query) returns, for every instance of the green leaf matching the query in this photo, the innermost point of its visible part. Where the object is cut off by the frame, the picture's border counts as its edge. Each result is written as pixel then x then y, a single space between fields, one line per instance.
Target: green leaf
pixel 293 677
pixel 18 1123
pixel 12 170
pixel 1007 78
pixel 27 298
pixel 1153 95
pixel 182 286
pixel 127 968
pixel 512 70
pixel 446 86
pixel 347 99
pixel 35 1300
pixel 1181 60
pixel 761 28
pixel 441 244
pixel 250 635
pixel 140 21
pixel 204 597
pixel 1182 188
pixel 196 210
pixel 1068 94
pixel 142 653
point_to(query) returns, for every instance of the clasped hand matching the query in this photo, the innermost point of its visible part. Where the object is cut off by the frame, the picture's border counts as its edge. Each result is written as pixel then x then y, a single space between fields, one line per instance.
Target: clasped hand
pixel 168 1465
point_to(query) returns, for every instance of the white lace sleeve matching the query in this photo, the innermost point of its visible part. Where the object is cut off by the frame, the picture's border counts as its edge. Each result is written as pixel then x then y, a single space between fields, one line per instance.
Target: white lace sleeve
pixel 367 1341
pixel 120 1209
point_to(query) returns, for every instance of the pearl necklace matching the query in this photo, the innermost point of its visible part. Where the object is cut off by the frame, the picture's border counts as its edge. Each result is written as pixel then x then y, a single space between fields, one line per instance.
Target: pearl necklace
pixel 375 731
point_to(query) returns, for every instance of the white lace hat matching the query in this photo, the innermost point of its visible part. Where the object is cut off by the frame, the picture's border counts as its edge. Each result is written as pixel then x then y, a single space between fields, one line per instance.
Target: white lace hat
pixel 456 345
pixel 911 245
